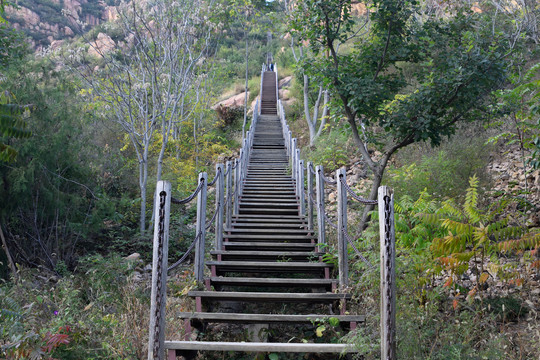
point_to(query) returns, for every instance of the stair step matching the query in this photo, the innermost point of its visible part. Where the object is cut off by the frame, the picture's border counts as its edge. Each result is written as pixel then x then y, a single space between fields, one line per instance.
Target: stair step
pixel 262 296
pixel 261 246
pixel 272 231
pixel 268 266
pixel 267 318
pixel 255 225
pixel 259 347
pixel 277 238
pixel 272 282
pixel 265 255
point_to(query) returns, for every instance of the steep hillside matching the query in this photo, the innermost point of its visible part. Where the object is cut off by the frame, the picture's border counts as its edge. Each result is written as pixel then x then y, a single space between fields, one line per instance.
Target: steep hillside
pixel 47 21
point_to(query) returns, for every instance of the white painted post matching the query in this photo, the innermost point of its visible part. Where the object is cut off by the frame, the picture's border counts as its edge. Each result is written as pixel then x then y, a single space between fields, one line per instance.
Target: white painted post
pixel 388 273
pixel 220 187
pixel 247 150
pixel 289 140
pixel 309 194
pixel 320 203
pixel 228 196
pixel 301 187
pixel 343 257
pixel 156 341
pixel 201 229
pixel 293 159
pixel 236 181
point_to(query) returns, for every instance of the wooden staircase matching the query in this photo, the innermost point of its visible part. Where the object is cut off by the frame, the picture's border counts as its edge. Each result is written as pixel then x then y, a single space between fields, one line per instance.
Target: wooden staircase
pixel 269 257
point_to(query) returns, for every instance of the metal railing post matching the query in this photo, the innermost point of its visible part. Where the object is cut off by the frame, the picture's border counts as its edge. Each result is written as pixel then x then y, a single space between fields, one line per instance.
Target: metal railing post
pixel 160 256
pixel 236 183
pixel 261 89
pixel 293 159
pixel 243 169
pixel 220 187
pixel 309 195
pixel 277 83
pixel 320 203
pixel 301 187
pixel 343 264
pixel 228 196
pixel 201 228
pixel 388 273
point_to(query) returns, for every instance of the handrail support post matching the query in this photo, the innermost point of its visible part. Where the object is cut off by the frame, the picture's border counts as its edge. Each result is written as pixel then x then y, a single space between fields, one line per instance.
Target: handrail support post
pixel 200 231
pixel 156 338
pixel 388 272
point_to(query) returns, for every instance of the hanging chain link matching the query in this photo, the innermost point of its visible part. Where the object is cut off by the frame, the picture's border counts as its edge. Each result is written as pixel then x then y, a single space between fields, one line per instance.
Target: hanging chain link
pixel 311 169
pixel 211 221
pixel 329 180
pixel 188 251
pixel 190 197
pixel 356 197
pixel 330 221
pixel 159 274
pixel 389 272
pixel 366 261
pixel 215 177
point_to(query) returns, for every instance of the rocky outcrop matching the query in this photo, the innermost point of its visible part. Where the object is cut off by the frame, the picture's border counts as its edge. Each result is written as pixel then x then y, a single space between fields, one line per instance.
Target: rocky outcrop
pixel 102 45
pixel 233 101
pixel 44 29
pixel 510 176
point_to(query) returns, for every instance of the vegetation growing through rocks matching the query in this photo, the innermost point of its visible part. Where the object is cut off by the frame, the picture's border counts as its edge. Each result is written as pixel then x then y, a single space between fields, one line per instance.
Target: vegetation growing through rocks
pixel 426 99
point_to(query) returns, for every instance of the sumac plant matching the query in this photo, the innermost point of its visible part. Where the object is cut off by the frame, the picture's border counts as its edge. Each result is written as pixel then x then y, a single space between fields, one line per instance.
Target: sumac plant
pixel 474 238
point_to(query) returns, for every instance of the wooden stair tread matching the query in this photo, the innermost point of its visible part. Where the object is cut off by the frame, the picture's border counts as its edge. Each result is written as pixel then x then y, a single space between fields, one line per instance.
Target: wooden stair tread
pixel 275 231
pixel 281 237
pixel 290 264
pixel 267 253
pixel 269 296
pixel 271 282
pixel 268 318
pixel 261 347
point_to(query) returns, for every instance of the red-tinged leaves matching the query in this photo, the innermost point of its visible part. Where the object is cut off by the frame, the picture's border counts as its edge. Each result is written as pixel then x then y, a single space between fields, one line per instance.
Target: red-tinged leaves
pixel 449 282
pixel 455 304
pixel 54 341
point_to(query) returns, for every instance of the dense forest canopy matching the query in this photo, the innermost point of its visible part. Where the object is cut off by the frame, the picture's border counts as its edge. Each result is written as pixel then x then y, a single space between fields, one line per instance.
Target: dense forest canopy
pixel 439 100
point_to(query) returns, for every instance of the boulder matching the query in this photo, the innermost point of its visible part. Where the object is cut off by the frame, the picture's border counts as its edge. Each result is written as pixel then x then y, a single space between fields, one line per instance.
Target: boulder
pixel 233 101
pixel 285 82
pixel 133 257
pixel 102 45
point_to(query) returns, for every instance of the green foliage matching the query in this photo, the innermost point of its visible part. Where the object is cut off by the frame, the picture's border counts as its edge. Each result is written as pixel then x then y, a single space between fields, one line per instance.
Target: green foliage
pixel 473 233
pixel 96 313
pixel 51 185
pixel 453 62
pixel 331 151
pixel 12 45
pixel 521 114
pixel 12 125
pixel 443 172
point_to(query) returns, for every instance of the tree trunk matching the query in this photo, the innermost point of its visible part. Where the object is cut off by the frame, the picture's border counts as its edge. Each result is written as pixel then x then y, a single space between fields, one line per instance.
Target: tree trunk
pixel 310 122
pixel 377 179
pixel 143 182
pixel 8 256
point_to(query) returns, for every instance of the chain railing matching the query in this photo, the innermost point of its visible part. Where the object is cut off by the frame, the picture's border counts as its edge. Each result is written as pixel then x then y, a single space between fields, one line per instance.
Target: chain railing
pixel 313 200
pixel 228 182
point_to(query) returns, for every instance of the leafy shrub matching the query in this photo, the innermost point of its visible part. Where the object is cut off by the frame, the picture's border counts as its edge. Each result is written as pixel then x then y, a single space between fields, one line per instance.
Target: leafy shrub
pixel 331 151
pixel 229 115
pixel 471 233
pixel 442 172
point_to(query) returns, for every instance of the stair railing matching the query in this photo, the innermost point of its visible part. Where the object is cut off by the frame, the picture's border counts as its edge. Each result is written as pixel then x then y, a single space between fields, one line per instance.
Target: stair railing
pixel 316 201
pixel 227 195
